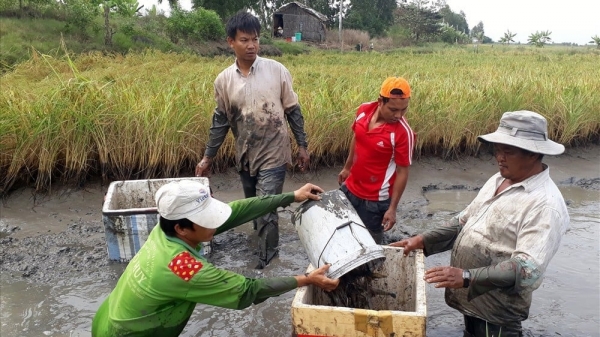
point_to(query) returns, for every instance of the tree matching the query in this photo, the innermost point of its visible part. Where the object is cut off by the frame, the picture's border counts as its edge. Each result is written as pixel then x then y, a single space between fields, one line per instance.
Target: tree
pixel 80 16
pixel 28 7
pixel 540 38
pixel 126 8
pixel 456 21
pixel 172 3
pixel 423 23
pixel 451 35
pixel 508 37
pixel 196 25
pixel 264 10
pixel 374 16
pixel 596 40
pixel 478 32
pixel 224 8
pixel 329 8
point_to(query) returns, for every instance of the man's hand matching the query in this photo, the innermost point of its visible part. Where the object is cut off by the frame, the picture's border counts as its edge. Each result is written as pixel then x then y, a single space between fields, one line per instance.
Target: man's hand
pixel 317 277
pixel 203 167
pixel 303 159
pixel 344 173
pixel 445 277
pixel 308 191
pixel 410 244
pixel 389 219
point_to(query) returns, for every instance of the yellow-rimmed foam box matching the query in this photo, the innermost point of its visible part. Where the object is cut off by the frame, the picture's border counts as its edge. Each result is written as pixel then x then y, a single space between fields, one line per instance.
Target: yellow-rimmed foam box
pixel 406 315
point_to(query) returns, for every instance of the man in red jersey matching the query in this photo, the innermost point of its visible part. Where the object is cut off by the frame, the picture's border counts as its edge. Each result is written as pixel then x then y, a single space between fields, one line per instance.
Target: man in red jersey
pixel 376 171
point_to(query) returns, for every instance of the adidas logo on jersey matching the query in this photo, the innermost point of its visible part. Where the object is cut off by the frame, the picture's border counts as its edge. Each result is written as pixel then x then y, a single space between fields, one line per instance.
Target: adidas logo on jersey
pixel 380 143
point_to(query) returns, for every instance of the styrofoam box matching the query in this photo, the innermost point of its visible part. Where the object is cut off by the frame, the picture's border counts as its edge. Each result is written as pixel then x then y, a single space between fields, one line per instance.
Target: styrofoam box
pixel 405 315
pixel 129 213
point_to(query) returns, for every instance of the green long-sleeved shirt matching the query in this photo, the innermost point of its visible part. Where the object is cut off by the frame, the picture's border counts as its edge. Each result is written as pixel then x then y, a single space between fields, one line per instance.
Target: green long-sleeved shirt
pixel 160 287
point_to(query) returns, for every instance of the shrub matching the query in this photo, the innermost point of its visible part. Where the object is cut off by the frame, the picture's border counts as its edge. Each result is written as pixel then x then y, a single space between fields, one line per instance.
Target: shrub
pixel 80 17
pixel 295 48
pixel 350 37
pixel 197 25
pixel 122 42
pixel 400 36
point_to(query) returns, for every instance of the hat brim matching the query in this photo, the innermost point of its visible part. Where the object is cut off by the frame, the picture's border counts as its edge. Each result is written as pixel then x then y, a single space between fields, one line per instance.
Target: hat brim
pixel 212 216
pixel 543 147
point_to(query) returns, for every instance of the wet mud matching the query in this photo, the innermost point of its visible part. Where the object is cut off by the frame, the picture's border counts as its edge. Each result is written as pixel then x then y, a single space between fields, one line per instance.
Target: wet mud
pixel 54 271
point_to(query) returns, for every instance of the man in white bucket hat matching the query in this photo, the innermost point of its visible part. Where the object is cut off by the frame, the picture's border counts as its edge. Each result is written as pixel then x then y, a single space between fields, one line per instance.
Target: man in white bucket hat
pixel 160 287
pixel 503 241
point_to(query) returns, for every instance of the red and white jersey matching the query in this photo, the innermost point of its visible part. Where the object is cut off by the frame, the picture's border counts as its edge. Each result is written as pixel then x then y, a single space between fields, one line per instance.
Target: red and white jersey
pixel 376 154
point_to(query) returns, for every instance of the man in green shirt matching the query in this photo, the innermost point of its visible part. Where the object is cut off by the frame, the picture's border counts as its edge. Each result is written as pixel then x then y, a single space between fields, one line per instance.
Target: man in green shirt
pixel 160 287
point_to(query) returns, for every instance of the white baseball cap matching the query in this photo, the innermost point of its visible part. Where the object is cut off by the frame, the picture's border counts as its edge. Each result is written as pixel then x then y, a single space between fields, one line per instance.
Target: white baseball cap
pixel 191 200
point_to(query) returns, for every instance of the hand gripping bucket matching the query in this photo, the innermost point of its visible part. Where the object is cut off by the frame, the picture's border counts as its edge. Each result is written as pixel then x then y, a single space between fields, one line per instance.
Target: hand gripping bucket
pixel 331 232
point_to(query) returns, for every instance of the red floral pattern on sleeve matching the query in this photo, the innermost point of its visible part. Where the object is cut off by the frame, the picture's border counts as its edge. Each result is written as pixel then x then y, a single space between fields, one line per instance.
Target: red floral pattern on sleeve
pixel 185 266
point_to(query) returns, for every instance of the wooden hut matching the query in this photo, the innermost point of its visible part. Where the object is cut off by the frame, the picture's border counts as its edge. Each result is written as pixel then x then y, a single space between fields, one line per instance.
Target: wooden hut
pixel 294 18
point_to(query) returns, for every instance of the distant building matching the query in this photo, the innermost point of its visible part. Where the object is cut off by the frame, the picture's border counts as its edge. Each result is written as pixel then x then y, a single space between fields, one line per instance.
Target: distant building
pixel 295 17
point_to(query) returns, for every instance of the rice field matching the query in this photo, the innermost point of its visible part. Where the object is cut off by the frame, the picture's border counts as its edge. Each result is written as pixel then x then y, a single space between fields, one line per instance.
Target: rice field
pixel 147 115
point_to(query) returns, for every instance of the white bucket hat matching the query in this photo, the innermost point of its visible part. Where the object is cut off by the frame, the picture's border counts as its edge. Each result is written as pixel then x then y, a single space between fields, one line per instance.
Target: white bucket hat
pixel 191 200
pixel 526 130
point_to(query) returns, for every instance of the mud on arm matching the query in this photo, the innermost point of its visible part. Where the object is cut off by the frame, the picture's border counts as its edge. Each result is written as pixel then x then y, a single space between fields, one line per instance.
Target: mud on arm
pixel 441 238
pixel 296 122
pixel 218 132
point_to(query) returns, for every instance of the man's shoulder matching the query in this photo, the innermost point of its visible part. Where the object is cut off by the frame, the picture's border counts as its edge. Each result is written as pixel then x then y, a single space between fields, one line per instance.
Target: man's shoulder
pixel 270 63
pixel 365 109
pixel 227 71
pixel 402 126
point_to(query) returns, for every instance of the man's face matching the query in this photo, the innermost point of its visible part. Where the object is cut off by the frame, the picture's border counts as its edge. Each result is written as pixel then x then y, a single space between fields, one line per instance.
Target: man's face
pixel 514 163
pixel 245 46
pixel 394 109
pixel 199 234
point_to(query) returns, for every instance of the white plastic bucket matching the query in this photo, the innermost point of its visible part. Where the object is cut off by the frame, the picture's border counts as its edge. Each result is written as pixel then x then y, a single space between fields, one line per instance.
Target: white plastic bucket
pixel 331 232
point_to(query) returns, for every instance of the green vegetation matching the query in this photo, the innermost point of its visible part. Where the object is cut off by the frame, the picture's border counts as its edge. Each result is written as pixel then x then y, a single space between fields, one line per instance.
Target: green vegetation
pixel 148 114
pixel 108 26
pixel 540 38
pixel 596 40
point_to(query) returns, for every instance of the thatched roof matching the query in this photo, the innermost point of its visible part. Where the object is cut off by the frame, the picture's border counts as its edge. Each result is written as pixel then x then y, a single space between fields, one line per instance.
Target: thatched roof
pixel 311 11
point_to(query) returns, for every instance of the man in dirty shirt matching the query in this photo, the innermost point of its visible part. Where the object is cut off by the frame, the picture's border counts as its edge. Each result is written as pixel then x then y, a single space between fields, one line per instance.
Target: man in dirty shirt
pixel 503 241
pixel 255 99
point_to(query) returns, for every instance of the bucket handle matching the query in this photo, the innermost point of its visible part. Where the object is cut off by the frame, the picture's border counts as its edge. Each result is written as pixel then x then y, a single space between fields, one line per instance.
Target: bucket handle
pixel 345 224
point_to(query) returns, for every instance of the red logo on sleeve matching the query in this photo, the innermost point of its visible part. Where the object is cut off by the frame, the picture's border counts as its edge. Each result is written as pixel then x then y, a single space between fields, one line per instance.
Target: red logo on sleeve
pixel 185 266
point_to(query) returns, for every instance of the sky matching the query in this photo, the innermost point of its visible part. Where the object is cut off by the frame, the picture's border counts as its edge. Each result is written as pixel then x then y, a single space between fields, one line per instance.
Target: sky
pixel 572 21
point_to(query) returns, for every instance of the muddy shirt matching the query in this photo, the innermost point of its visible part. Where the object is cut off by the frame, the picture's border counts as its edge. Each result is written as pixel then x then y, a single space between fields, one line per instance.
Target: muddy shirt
pixel 160 287
pixel 506 241
pixel 256 108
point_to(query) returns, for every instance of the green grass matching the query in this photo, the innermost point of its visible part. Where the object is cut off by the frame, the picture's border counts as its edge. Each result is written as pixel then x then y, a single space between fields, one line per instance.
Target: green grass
pixel 19 38
pixel 147 114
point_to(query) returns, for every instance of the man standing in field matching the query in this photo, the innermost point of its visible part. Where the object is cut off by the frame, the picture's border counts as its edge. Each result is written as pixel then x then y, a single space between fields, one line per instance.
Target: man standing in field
pixel 255 98
pixel 376 171
pixel 503 241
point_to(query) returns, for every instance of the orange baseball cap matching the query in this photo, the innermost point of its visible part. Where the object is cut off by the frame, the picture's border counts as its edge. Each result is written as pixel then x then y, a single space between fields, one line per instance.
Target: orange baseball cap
pixel 392 83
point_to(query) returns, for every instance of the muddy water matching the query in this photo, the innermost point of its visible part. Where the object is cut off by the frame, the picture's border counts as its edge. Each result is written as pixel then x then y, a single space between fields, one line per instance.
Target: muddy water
pixel 55 275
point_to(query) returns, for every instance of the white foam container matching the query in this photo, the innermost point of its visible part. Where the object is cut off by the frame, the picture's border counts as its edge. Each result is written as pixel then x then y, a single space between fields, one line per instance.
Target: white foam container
pixel 129 214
